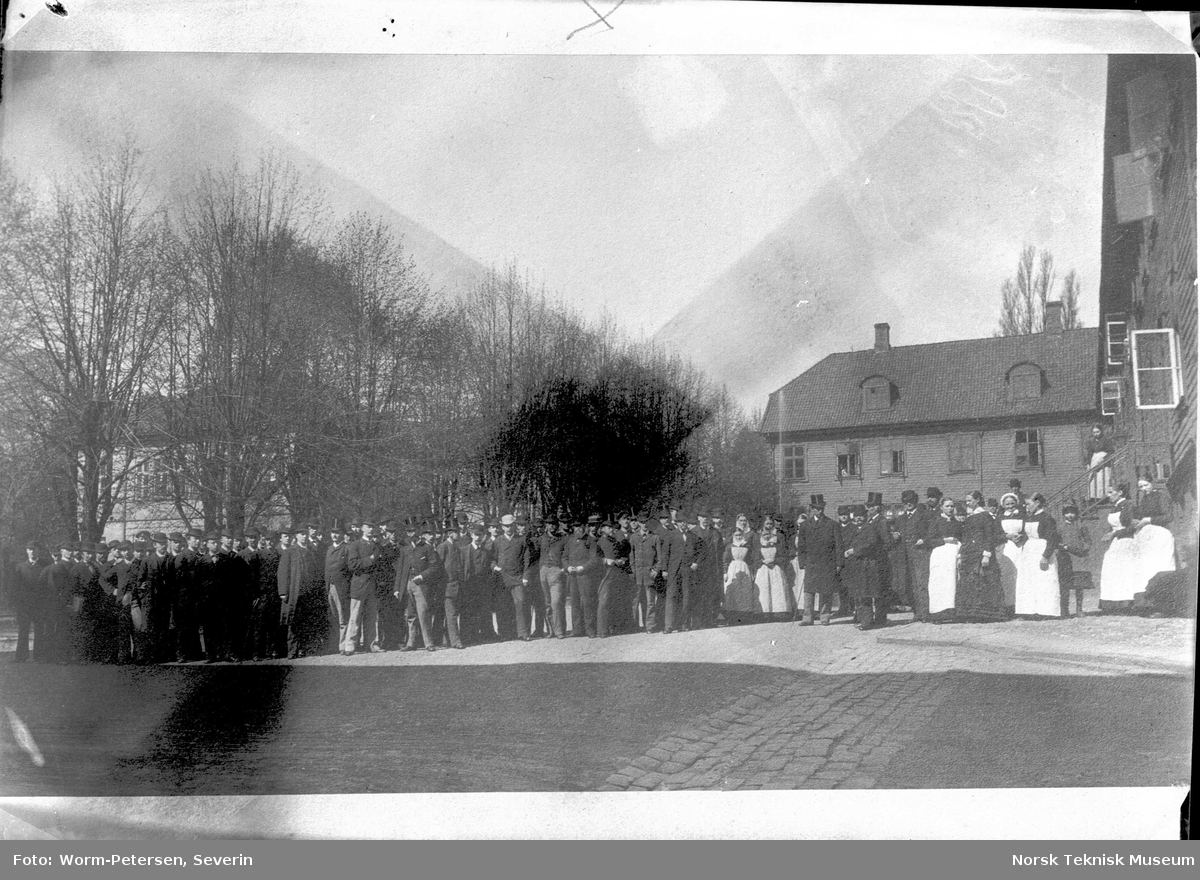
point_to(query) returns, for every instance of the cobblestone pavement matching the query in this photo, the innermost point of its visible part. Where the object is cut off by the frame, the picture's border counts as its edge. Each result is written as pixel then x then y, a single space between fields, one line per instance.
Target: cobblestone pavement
pixel 1091 701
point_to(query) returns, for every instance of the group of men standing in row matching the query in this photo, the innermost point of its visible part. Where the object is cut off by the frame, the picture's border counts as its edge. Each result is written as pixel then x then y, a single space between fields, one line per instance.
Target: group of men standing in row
pixel 391 586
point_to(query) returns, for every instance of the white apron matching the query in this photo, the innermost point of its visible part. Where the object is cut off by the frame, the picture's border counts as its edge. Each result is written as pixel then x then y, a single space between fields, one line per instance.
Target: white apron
pixel 773 593
pixel 1100 481
pixel 739 585
pixel 943 577
pixel 1116 575
pixel 1010 561
pixel 1037 590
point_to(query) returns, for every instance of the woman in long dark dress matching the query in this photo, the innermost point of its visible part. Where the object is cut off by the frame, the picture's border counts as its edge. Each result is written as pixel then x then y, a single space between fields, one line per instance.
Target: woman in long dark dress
pixel 1096 450
pixel 980 594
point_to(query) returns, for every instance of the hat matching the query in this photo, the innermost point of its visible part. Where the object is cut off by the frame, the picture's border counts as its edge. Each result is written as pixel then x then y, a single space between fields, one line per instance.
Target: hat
pixel 874 499
pixel 478 529
pixel 909 495
pixel 214 535
pixel 1012 495
pixel 933 492
pixel 195 533
pixel 427 527
pixel 716 513
pixel 272 536
pixel 1014 483
pixel 143 534
pixel 522 519
pixel 226 533
pixel 858 510
pixel 1070 507
pixel 177 537
pixel 508 520
pixel 113 545
pixel 843 509
pixel 159 538
pixel 100 547
pixel 816 500
pixel 250 533
pixel 462 519
pixel 594 520
pixel 663 513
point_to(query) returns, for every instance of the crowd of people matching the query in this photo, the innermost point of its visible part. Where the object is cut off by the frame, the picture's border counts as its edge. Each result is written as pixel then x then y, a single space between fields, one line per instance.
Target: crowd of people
pixel 412 585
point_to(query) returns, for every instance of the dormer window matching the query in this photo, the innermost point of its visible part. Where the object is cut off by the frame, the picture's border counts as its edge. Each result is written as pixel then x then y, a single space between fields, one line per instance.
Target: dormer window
pixel 1025 382
pixel 877 394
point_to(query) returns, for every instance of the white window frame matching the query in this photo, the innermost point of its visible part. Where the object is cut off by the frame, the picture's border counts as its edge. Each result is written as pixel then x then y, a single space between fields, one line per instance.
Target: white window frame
pixel 1173 367
pixel 1108 343
pixel 787 452
pixel 1113 386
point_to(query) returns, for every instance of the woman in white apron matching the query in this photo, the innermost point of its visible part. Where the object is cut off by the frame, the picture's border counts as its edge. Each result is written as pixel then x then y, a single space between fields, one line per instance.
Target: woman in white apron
pixel 741 595
pixel 774 597
pixel 1097 449
pixel 946 536
pixel 1012 523
pixel 1137 551
pixel 1037 574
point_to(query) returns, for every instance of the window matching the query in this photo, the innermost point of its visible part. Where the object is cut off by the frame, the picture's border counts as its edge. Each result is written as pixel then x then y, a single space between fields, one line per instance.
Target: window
pixel 962 453
pixel 149 481
pixel 793 462
pixel 849 460
pixel 1110 396
pixel 1025 382
pixel 1117 334
pixel 1134 176
pixel 1028 449
pixel 877 394
pixel 1156 378
pixel 891 458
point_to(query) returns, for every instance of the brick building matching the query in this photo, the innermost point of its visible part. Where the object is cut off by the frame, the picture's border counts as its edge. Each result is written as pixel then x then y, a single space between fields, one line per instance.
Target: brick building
pixel 961 415
pixel 1148 297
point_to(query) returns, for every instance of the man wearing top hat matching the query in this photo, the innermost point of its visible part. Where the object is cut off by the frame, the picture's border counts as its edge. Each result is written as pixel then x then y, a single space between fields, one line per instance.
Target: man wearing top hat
pixel 301 596
pixel 709 581
pixel 819 543
pixel 337 587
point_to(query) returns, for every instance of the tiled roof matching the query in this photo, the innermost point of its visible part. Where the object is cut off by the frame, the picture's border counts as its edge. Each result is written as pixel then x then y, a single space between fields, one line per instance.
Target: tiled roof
pixel 940 382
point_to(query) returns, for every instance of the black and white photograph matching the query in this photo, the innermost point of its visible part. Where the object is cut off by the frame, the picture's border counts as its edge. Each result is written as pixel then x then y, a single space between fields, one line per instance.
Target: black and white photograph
pixel 591 416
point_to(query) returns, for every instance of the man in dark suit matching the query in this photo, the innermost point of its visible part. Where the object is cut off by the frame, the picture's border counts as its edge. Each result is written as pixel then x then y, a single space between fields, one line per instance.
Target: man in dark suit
pixel 363 564
pixel 819 544
pixel 187 598
pixel 57 585
pixel 389 634
pixel 451 552
pixel 582 560
pixel 552 576
pixel 474 593
pixel 915 524
pixel 511 557
pixel 300 594
pixel 672 546
pixel 29 605
pixel 643 556
pixel 160 574
pixel 337 585
pixel 419 581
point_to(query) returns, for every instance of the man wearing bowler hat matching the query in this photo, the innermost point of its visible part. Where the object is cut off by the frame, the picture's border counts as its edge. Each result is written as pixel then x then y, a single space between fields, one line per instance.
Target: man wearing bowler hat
pixel 363 565
pixel 418 583
pixel 552 576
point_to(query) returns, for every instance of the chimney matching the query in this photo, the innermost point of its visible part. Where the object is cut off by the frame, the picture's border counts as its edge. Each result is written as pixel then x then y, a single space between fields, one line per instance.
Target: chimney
pixel 883 338
pixel 1052 321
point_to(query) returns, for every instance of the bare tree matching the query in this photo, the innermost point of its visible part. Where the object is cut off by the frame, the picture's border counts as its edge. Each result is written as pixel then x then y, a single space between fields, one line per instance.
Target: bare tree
pixel 1023 297
pixel 87 287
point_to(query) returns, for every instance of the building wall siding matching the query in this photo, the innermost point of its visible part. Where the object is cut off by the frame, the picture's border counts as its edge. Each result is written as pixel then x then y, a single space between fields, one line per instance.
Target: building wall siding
pixel 928 464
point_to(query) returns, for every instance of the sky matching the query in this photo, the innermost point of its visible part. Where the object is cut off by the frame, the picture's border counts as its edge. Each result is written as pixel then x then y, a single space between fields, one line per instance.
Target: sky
pixel 627 184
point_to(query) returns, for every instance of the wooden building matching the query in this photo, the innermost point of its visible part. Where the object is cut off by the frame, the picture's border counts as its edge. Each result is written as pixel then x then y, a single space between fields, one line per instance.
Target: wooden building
pixel 962 415
pixel 1148 295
